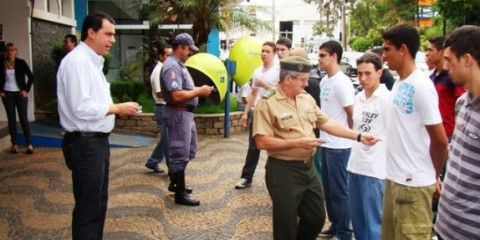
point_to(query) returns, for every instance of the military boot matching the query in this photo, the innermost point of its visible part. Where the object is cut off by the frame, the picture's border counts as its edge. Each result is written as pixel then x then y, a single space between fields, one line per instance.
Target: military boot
pixel 181 195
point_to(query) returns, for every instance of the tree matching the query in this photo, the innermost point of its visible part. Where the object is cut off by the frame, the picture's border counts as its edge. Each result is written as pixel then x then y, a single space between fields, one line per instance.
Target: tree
pixel 458 12
pixel 330 14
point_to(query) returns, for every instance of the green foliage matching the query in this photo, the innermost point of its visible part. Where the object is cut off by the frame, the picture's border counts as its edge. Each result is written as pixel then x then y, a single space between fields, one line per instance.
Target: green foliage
pixel 459 12
pixel 208 108
pixel 427 33
pixel 106 64
pixel 361 44
pixel 58 52
pixel 147 102
pixel 126 91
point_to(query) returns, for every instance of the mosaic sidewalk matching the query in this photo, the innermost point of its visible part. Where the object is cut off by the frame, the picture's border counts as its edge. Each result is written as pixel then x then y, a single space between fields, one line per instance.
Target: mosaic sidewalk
pixel 36 198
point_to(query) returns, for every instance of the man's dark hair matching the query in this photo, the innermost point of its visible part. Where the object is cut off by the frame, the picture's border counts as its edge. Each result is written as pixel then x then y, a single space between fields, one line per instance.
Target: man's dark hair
pixel 404 34
pixel 285 41
pixel 371 58
pixel 161 48
pixel 437 42
pixel 333 47
pixel 465 40
pixel 271 44
pixel 377 50
pixel 94 21
pixel 72 38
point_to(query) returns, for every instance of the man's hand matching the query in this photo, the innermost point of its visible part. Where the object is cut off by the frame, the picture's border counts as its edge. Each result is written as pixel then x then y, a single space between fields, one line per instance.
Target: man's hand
pixel 260 83
pixel 23 93
pixel 124 109
pixel 438 191
pixel 244 119
pixel 369 139
pixel 2 94
pixel 309 143
pixel 205 91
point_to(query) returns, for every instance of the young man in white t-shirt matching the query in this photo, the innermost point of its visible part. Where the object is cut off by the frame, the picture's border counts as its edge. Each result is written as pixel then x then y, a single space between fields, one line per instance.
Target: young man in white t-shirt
pixel 264 77
pixel 336 99
pixel 243 94
pixel 416 141
pixel 160 150
pixel 366 177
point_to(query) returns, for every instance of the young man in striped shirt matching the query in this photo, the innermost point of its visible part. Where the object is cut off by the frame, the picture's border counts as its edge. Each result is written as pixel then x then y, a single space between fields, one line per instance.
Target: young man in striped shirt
pixel 459 207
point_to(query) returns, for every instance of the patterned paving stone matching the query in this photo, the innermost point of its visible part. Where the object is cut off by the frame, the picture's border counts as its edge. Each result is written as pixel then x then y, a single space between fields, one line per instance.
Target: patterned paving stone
pixel 36 198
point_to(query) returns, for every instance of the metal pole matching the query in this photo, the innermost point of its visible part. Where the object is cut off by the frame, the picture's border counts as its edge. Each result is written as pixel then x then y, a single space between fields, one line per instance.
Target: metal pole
pixel 231 69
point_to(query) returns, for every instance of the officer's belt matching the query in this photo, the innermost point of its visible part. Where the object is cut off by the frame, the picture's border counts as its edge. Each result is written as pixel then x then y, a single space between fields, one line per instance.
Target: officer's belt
pixel 302 161
pixel 181 107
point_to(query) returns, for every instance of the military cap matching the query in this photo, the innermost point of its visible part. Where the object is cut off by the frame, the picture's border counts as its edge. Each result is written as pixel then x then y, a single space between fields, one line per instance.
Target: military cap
pixel 296 64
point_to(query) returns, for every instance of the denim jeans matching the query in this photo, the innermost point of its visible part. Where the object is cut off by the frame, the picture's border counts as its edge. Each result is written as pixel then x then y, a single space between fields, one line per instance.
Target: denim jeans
pixel 335 185
pixel 162 146
pixel 365 196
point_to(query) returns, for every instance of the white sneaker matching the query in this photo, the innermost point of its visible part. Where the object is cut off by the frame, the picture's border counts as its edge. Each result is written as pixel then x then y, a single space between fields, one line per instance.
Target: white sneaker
pixel 243 183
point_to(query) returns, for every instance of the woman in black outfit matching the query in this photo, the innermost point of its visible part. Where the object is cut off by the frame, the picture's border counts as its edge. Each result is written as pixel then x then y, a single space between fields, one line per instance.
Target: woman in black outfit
pixel 14 92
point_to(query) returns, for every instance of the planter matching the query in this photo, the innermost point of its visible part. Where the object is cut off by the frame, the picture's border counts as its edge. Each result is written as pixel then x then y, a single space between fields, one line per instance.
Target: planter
pixel 145 123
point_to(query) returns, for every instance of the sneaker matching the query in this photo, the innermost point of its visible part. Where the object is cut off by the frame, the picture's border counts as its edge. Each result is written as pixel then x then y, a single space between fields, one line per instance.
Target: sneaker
pixel 243 183
pixel 327 233
pixel 156 169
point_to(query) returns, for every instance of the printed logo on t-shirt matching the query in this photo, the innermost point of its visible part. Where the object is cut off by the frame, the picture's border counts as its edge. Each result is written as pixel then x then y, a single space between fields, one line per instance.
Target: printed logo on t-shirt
pixel 365 126
pixel 404 97
pixel 325 92
pixel 367 119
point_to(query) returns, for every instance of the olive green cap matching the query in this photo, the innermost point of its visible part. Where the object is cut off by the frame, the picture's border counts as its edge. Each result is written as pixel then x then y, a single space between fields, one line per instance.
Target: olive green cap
pixel 296 64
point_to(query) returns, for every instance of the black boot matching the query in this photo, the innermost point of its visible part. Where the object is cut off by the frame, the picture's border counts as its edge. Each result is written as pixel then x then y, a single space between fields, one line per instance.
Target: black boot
pixel 181 195
pixel 171 188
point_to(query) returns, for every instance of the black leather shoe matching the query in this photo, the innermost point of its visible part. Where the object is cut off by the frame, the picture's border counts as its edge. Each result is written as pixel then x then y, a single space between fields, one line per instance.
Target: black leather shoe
pixel 184 199
pixel 171 188
pixel 14 150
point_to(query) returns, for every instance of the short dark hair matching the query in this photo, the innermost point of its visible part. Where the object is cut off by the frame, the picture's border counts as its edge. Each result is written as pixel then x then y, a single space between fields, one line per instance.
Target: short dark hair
pixel 271 44
pixel 161 48
pixel 72 38
pixel 94 21
pixel 465 40
pixel 333 47
pixel 371 58
pixel 285 41
pixel 404 34
pixel 377 50
pixel 437 42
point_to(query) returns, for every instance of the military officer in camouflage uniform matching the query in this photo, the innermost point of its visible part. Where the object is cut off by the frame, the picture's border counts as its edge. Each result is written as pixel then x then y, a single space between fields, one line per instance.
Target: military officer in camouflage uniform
pixel 284 120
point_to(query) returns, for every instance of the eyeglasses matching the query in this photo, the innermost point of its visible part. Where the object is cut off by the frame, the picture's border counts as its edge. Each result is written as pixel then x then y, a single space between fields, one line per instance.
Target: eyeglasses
pixel 301 79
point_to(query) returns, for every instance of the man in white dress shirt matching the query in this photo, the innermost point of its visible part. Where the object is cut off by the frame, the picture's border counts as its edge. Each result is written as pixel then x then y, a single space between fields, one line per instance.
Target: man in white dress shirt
pixel 87 114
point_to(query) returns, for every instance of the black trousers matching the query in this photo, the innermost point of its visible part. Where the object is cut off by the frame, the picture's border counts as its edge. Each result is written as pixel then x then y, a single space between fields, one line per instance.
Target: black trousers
pixel 11 101
pixel 89 160
pixel 253 154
